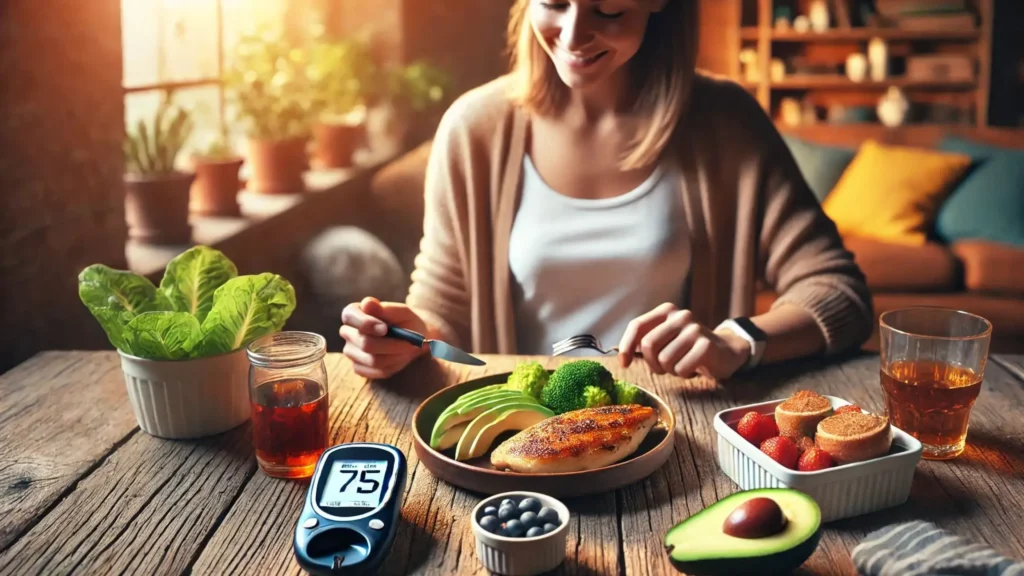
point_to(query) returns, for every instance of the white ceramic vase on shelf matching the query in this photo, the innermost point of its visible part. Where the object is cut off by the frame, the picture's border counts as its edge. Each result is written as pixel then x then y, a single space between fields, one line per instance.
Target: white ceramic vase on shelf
pixel 893 107
pixel 818 15
pixel 878 57
pixel 857 67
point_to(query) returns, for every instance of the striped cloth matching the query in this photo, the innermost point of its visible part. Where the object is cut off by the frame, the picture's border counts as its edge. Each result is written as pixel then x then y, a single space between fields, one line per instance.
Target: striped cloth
pixel 920 548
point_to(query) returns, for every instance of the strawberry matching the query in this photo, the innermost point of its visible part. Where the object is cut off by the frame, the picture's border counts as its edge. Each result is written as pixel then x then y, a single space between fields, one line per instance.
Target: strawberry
pixel 847 408
pixel 756 428
pixel 814 459
pixel 804 443
pixel 782 450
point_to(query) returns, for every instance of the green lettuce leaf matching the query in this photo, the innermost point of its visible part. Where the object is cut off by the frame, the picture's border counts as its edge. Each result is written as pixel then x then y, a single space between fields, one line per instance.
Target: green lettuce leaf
pixel 246 308
pixel 114 297
pixel 193 276
pixel 162 335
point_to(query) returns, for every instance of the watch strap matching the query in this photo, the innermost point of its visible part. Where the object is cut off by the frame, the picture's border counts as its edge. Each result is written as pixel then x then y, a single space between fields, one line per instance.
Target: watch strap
pixel 746 329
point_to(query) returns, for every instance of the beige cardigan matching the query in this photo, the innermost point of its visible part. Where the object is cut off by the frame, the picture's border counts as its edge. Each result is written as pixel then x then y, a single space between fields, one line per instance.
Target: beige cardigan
pixel 750 214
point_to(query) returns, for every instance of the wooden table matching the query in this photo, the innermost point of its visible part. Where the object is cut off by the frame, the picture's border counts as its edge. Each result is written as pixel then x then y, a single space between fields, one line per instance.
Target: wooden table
pixel 82 489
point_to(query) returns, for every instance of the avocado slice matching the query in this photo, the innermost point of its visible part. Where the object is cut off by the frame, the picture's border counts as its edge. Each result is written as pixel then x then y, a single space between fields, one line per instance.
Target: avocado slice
pixel 450 437
pixel 481 391
pixel 516 419
pixel 458 414
pixel 699 545
pixel 467 447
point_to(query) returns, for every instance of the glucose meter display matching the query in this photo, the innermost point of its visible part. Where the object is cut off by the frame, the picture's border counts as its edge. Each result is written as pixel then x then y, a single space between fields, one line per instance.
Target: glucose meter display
pixel 354 484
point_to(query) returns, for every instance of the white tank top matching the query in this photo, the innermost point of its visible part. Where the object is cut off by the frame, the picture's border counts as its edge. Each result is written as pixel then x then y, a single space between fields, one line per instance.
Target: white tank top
pixel 590 266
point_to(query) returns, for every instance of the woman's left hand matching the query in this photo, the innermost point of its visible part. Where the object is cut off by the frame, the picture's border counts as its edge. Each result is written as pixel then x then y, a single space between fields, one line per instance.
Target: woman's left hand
pixel 673 342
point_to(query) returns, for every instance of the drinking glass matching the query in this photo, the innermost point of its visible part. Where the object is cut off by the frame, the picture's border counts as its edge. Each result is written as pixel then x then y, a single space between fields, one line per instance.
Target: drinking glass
pixel 932 364
pixel 288 398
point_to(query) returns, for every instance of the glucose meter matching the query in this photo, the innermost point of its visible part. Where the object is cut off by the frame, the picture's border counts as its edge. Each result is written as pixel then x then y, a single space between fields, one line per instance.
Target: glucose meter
pixel 352 509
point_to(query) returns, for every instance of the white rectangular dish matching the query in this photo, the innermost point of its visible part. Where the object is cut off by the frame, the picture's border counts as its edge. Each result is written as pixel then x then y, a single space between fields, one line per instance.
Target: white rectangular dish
pixel 841 491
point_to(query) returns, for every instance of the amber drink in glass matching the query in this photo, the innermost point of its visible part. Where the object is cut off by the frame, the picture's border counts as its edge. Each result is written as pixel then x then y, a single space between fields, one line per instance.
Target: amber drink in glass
pixel 289 402
pixel 932 365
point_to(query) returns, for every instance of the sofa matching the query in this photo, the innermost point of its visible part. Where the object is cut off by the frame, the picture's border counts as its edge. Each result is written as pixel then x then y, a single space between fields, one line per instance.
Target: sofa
pixel 977 275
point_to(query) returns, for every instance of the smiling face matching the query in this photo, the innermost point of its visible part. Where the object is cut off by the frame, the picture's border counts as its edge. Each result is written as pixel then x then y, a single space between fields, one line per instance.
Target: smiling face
pixel 589 40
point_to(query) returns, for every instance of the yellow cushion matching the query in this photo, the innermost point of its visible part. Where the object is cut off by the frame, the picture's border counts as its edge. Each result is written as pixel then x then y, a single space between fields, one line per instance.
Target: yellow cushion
pixel 892 193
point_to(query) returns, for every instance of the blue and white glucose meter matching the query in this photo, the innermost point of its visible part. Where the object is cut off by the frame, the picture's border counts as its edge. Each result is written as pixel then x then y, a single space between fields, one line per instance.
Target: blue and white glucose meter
pixel 352 509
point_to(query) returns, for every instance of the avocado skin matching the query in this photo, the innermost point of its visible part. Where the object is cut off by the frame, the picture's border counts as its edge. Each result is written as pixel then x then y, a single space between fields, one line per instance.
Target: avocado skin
pixel 784 562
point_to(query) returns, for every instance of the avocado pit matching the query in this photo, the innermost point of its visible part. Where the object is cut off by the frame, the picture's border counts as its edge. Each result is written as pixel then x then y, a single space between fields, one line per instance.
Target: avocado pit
pixel 756 518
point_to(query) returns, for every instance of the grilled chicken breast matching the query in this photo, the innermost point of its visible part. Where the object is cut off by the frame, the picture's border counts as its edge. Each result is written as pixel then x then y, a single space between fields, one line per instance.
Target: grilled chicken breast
pixel 578 440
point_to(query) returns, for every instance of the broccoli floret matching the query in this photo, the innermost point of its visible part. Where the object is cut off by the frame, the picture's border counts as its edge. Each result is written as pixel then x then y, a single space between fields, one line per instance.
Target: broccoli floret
pixel 565 389
pixel 626 393
pixel 529 378
pixel 595 397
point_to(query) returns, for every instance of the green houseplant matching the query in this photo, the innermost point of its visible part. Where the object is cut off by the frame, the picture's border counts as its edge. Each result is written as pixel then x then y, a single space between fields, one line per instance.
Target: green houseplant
pixel 341 72
pixel 156 193
pixel 216 186
pixel 182 343
pixel 408 101
pixel 267 84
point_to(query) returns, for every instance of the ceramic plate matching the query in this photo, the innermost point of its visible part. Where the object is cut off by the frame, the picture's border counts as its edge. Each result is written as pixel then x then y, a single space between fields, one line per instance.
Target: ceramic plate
pixel 479 476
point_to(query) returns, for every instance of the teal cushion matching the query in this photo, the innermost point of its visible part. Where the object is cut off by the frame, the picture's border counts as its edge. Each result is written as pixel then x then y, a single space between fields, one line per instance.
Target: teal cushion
pixel 821 165
pixel 989 202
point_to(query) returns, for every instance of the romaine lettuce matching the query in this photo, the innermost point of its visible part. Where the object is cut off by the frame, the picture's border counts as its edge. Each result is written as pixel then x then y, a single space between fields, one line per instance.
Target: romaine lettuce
pixel 162 335
pixel 192 277
pixel 246 308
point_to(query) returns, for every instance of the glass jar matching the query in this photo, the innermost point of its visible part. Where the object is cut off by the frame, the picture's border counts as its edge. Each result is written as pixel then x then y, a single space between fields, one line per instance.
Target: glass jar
pixel 289 402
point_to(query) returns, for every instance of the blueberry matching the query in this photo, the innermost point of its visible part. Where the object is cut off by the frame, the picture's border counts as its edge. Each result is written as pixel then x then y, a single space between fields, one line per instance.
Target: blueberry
pixel 501 532
pixel 535 531
pixel 514 528
pixel 529 519
pixel 490 523
pixel 548 528
pixel 529 505
pixel 548 515
pixel 506 513
pixel 508 501
pixel 490 511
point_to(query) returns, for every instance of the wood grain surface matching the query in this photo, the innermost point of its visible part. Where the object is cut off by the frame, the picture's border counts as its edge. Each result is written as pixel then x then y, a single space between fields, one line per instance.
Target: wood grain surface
pixel 82 490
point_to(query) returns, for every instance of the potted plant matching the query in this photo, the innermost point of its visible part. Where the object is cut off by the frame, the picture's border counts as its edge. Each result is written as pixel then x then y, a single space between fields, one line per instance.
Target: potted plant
pixel 341 71
pixel 156 193
pixel 408 101
pixel 182 344
pixel 215 189
pixel 268 86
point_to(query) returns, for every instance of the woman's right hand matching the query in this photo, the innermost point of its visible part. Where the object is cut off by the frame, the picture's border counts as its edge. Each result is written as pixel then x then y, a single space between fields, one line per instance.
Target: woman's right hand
pixel 363 327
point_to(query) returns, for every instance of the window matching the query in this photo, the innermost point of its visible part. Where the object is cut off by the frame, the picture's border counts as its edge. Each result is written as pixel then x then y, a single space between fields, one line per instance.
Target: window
pixel 183 45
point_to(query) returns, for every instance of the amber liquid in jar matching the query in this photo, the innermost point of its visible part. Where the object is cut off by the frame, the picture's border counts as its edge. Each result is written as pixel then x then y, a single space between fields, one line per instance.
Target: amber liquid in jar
pixel 931 401
pixel 289 425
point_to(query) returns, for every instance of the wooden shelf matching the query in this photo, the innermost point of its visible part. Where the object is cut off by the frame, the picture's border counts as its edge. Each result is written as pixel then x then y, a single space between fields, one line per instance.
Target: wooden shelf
pixel 858 34
pixel 808 82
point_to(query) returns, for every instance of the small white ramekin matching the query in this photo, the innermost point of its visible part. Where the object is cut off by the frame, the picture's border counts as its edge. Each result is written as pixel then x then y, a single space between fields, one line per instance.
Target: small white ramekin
pixel 840 491
pixel 182 399
pixel 520 556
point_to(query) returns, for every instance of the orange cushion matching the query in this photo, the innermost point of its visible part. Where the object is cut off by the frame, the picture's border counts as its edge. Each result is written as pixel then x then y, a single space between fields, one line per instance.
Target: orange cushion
pixel 901 268
pixel 991 267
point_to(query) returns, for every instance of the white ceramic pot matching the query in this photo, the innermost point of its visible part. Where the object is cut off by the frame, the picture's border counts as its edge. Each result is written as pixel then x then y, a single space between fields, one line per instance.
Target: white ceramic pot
pixel 857 67
pixel 818 15
pixel 188 398
pixel 878 56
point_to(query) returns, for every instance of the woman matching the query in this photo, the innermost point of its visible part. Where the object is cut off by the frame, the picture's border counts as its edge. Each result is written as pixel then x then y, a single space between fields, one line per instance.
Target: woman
pixel 605 187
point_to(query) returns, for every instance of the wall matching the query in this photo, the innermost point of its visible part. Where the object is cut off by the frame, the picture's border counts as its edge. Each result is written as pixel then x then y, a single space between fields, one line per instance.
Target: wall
pixel 61 199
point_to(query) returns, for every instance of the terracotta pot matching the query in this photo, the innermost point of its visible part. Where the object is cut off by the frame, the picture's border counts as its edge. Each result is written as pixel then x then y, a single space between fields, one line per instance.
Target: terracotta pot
pixel 156 207
pixel 215 190
pixel 335 143
pixel 276 166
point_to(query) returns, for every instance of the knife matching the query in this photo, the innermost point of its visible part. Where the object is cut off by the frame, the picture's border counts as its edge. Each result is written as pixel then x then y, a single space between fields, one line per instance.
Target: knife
pixel 438 349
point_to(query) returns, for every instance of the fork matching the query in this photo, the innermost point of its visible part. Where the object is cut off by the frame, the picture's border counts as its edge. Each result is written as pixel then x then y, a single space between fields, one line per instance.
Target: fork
pixel 580 341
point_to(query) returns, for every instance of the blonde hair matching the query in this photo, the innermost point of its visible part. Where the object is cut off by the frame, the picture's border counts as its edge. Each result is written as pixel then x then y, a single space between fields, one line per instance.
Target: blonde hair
pixel 661 72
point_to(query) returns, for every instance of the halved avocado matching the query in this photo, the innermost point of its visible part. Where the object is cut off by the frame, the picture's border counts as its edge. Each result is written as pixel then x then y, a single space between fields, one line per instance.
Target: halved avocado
pixel 464 450
pixel 700 546
pixel 516 419
pixel 450 437
pixel 452 416
pixel 463 401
